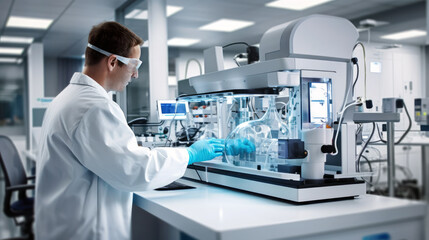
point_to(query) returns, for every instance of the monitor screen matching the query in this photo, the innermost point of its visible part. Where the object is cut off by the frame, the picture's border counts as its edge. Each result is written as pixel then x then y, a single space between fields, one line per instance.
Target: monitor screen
pixel 319 105
pixel 167 110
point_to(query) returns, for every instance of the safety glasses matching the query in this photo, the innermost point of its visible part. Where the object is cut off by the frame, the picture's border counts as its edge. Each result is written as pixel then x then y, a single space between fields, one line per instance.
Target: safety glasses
pixel 132 63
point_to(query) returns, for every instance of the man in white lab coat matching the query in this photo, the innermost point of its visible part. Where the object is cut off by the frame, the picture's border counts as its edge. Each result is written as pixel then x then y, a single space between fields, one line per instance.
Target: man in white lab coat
pixel 89 162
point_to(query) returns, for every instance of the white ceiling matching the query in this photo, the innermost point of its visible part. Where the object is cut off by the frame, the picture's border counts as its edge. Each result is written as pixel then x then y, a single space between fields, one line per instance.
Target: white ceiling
pixel 67 35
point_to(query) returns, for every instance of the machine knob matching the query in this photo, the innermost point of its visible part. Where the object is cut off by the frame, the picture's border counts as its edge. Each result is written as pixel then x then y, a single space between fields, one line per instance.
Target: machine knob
pixel 328 149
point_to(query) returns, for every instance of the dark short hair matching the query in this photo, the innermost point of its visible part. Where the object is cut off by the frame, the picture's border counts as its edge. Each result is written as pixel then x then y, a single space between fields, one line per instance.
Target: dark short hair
pixel 112 37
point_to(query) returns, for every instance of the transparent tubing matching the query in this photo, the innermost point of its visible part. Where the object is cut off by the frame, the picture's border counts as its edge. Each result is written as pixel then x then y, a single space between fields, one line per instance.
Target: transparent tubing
pixel 293 109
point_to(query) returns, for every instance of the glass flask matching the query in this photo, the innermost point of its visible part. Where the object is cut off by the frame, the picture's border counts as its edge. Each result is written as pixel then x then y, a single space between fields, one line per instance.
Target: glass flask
pixel 263 134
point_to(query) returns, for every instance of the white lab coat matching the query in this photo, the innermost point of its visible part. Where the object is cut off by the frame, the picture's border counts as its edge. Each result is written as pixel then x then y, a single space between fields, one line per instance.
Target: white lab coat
pixel 89 164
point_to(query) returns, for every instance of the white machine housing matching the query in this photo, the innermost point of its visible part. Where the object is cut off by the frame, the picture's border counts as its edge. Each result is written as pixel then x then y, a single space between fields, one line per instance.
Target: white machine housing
pixel 316 46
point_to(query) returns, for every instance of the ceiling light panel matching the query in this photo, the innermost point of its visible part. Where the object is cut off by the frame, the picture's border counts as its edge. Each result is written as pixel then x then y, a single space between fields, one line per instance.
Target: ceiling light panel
pixel 405 34
pixel 134 13
pixel 173 10
pixel 137 14
pixel 26 22
pixel 11 51
pixel 142 14
pixel 226 25
pixel 9 60
pixel 11 39
pixel 296 5
pixel 182 42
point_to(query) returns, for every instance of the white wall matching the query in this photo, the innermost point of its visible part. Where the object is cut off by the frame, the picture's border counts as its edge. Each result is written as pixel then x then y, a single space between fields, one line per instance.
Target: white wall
pixel 400 68
pixel 51 77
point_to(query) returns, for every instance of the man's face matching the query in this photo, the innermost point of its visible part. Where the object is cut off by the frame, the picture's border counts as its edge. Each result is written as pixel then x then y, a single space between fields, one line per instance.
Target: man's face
pixel 122 74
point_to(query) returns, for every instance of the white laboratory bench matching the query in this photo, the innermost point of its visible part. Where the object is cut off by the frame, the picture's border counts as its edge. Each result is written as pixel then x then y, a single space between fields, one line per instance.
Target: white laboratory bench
pixel 212 212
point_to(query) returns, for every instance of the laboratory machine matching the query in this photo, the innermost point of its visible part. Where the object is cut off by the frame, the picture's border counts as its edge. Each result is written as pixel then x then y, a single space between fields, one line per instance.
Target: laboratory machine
pixel 293 107
pixel 421 110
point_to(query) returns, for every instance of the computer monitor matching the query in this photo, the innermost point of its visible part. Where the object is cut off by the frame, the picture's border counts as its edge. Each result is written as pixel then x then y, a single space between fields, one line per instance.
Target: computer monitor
pixel 319 102
pixel 167 110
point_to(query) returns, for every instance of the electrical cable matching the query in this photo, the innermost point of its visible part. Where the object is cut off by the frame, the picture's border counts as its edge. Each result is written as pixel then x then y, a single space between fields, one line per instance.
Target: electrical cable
pixel 236 43
pixel 357 77
pixel 364 146
pixel 370 169
pixel 379 135
pixel 252 53
pixel 364 66
pixel 197 172
pixel 369 165
pixel 410 123
pixel 344 108
pixel 194 134
pixel 359 129
pixel 379 155
pixel 349 87
pixel 171 123
pixel 147 124
pixel 406 171
pixel 187 65
pixel 339 126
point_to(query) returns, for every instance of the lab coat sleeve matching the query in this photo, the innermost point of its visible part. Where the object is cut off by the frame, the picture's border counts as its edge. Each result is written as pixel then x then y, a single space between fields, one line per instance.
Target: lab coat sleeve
pixel 105 145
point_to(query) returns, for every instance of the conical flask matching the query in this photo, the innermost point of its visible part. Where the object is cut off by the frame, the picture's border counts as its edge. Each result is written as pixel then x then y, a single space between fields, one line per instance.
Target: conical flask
pixel 263 134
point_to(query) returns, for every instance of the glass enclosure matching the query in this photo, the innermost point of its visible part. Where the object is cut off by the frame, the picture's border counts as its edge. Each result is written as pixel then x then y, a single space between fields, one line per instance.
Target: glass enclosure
pixel 137 92
pixel 272 127
pixel 262 134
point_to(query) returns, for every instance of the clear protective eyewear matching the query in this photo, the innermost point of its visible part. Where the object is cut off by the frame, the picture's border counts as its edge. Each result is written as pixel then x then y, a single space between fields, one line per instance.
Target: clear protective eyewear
pixel 131 62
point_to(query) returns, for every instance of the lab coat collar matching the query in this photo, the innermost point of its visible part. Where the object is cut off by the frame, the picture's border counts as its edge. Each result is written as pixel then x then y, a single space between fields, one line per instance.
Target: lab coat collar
pixel 82 79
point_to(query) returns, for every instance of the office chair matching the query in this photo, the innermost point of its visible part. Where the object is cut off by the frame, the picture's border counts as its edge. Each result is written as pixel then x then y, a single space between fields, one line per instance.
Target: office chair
pixel 22 210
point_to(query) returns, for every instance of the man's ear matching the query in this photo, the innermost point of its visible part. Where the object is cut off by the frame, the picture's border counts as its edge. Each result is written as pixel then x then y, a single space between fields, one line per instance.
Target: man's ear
pixel 111 62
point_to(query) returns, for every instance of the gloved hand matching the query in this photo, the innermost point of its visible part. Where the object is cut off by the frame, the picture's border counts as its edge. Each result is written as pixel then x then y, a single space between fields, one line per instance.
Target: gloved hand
pixel 206 149
pixel 239 146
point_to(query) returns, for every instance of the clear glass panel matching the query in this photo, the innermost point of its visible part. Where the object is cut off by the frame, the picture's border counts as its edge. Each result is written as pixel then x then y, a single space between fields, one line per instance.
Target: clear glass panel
pixel 12 99
pixel 138 101
pixel 263 134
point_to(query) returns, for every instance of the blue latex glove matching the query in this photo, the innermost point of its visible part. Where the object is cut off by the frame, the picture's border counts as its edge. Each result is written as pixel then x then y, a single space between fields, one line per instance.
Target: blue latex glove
pixel 239 146
pixel 206 149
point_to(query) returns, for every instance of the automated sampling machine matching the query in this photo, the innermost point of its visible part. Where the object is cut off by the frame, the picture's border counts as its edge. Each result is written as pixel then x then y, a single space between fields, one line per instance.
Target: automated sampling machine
pixel 304 151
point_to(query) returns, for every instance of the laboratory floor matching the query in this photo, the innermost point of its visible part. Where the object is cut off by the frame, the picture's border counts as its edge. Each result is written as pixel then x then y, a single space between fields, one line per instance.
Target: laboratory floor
pixel 7 225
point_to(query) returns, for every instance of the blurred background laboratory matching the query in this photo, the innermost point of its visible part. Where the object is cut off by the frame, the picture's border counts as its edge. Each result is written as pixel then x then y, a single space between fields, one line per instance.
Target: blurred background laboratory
pixel 327 99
